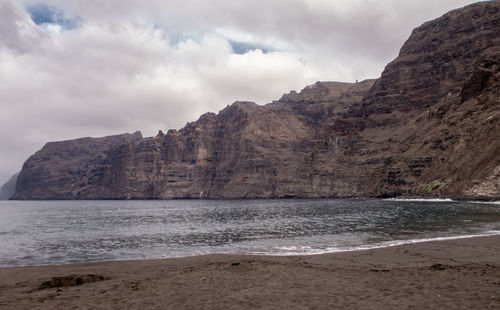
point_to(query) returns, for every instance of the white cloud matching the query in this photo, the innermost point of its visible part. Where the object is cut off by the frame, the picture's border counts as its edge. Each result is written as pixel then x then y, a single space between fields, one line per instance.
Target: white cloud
pixel 17 31
pixel 155 65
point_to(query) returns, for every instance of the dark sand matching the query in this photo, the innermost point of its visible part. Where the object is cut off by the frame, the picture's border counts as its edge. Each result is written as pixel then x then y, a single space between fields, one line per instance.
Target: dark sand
pixel 457 274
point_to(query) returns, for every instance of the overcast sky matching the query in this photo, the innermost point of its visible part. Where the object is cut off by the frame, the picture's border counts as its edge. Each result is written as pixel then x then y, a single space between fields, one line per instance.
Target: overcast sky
pixel 73 68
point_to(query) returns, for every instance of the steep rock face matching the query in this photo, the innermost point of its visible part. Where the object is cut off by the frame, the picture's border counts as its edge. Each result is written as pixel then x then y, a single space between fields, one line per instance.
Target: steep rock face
pixel 66 169
pixel 8 189
pixel 436 59
pixel 450 149
pixel 239 153
pixel 288 148
pixel 471 127
pixel 428 127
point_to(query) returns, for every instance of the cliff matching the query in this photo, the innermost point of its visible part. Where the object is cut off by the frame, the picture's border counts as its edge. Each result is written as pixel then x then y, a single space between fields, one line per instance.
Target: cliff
pixel 62 170
pixel 8 189
pixel 429 126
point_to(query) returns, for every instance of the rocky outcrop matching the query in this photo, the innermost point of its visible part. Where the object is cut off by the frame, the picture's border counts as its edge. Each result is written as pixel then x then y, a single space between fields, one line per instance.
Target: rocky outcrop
pixel 429 126
pixel 8 189
pixel 436 60
pixel 66 169
pixel 240 153
pixel 469 132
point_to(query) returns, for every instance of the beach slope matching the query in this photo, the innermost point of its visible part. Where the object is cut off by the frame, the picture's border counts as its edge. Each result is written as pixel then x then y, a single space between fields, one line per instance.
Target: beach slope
pixel 452 274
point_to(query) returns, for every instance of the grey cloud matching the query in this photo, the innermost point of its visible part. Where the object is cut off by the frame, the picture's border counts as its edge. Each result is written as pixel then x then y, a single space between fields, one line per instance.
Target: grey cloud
pixel 346 29
pixel 153 65
pixel 17 31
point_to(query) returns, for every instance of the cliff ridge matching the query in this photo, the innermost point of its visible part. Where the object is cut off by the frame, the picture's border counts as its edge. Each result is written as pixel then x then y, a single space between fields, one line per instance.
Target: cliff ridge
pixel 428 127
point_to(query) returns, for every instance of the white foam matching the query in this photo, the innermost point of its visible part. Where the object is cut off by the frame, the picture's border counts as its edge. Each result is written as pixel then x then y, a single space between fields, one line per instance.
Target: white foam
pixel 486 202
pixel 421 199
pixel 306 250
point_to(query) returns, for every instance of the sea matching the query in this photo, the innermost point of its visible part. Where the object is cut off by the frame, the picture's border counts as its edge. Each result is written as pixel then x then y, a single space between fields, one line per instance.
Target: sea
pixel 60 232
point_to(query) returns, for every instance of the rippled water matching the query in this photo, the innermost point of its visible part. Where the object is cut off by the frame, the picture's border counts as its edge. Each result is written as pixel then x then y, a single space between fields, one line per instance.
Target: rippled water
pixel 53 232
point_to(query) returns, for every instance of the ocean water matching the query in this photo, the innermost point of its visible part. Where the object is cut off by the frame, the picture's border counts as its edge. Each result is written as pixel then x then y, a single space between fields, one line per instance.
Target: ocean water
pixel 56 232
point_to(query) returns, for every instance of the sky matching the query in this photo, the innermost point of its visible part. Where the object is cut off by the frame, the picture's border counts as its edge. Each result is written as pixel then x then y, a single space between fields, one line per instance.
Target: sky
pixel 78 68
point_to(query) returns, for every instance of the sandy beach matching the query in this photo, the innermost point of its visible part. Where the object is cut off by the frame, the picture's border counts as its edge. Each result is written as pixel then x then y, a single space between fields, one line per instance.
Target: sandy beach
pixel 452 274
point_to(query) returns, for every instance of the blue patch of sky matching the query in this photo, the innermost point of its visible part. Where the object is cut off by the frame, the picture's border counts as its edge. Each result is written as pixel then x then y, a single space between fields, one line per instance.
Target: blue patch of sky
pixel 43 14
pixel 196 35
pixel 176 38
pixel 245 47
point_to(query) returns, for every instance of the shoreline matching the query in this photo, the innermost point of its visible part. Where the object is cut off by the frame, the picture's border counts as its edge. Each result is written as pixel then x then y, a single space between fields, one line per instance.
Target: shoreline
pixel 452 198
pixel 460 273
pixel 376 246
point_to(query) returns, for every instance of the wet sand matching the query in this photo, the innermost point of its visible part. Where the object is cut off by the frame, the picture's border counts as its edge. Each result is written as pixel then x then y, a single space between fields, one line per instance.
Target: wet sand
pixel 454 274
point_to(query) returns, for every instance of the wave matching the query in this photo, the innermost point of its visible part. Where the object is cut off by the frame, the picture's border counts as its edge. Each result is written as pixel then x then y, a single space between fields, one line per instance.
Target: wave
pixel 440 200
pixel 422 199
pixel 307 250
pixel 486 202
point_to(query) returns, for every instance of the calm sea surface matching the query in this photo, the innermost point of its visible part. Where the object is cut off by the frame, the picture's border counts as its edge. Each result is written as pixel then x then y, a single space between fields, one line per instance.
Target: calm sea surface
pixel 55 232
